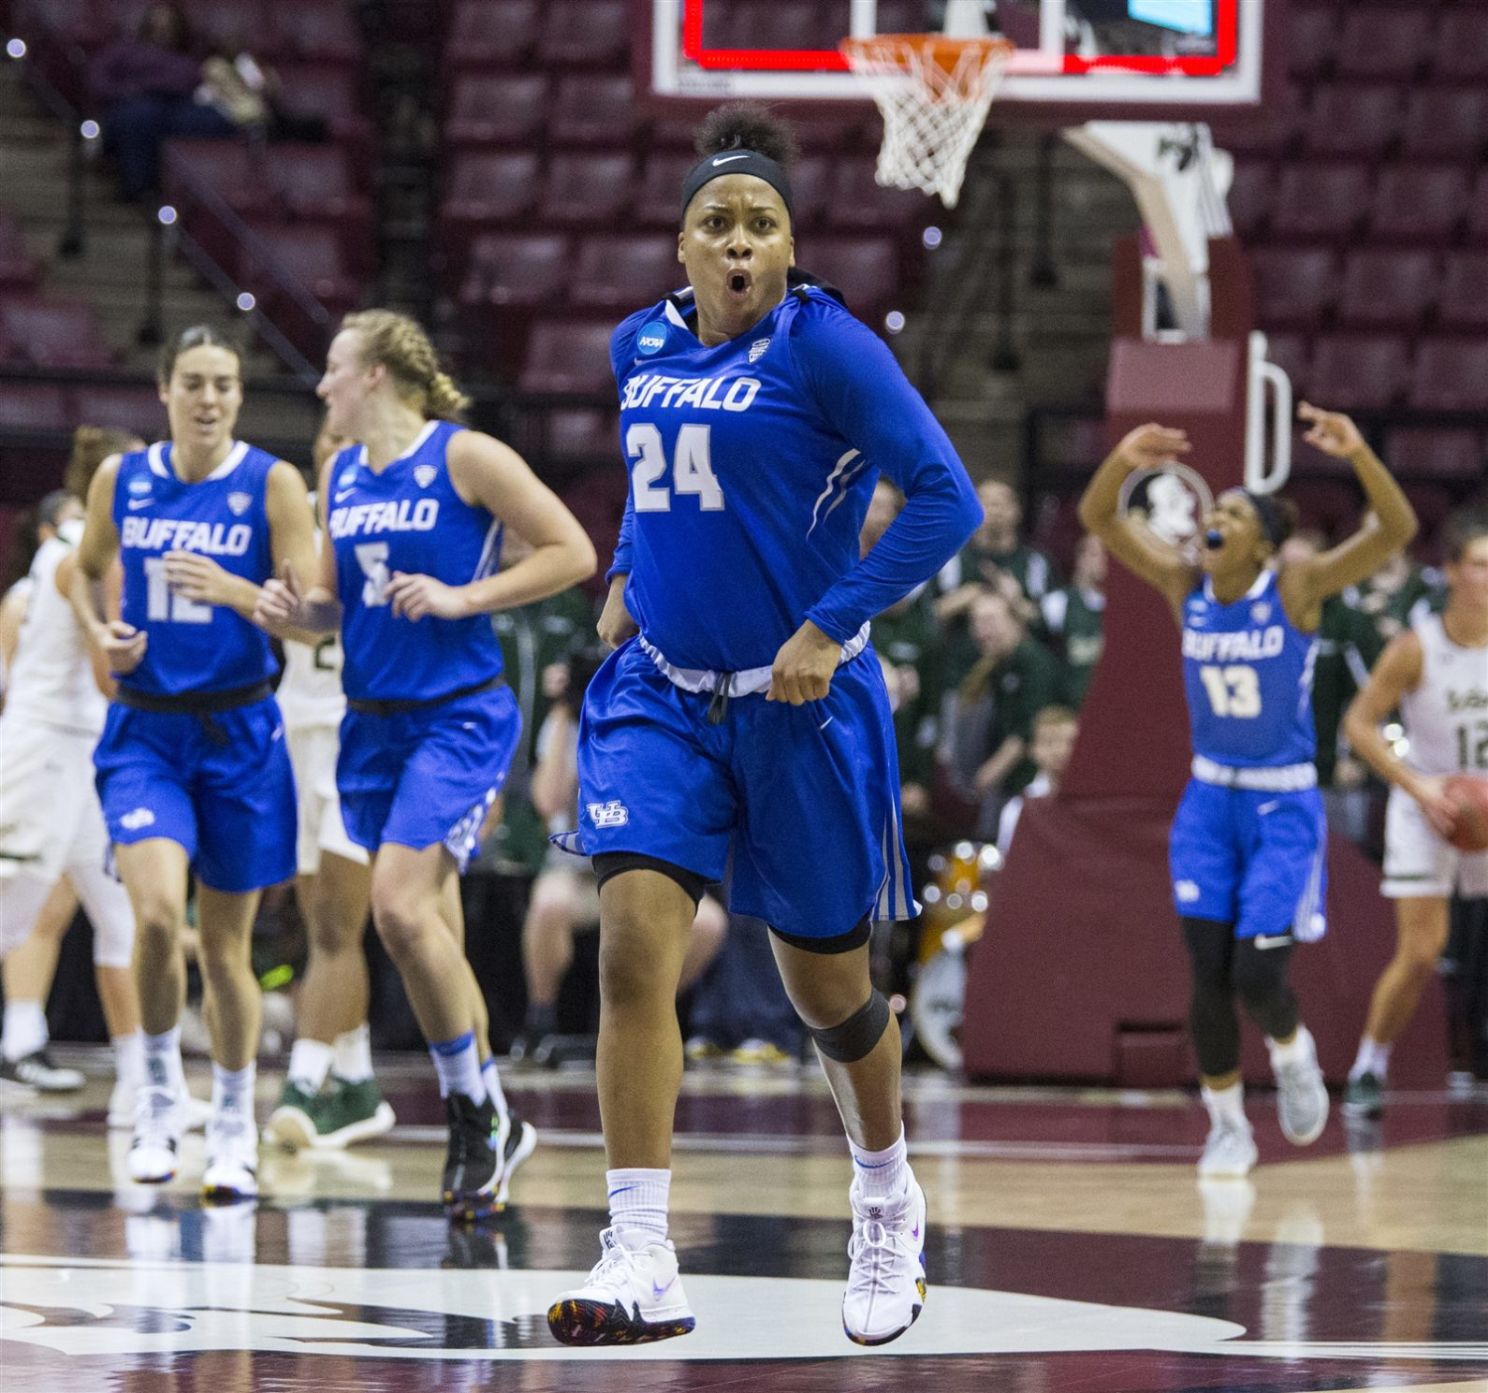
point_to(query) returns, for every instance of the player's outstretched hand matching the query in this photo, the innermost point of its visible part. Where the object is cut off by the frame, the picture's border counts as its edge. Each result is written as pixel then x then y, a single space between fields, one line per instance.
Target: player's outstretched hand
pixel 615 622
pixel 803 668
pixel 1331 431
pixel 123 646
pixel 416 597
pixel 1430 792
pixel 1151 447
pixel 278 604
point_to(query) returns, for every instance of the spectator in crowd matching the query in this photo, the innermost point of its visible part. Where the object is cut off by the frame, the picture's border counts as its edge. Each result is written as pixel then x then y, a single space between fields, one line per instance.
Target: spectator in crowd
pixel 740 1008
pixel 147 87
pixel 996 556
pixel 1074 617
pixel 1054 732
pixel 907 640
pixel 1397 594
pixel 988 723
pixel 251 96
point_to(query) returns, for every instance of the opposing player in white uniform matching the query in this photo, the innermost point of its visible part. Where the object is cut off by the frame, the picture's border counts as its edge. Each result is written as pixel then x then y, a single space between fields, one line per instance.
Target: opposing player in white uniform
pixel 1436 675
pixel 334 888
pixel 51 824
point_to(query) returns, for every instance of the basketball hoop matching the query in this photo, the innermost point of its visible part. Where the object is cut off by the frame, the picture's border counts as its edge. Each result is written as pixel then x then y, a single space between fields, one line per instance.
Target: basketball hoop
pixel 934 93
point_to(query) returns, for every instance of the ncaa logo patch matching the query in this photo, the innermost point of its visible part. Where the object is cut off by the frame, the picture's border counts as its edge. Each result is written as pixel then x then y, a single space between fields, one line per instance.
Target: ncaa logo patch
pixel 139 486
pixel 347 479
pixel 239 503
pixel 140 817
pixel 423 475
pixel 652 339
pixel 611 814
pixel 1186 891
pixel 758 349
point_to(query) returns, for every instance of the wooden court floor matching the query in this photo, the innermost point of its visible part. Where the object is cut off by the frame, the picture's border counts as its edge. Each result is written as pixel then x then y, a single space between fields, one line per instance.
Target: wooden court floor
pixel 1071 1248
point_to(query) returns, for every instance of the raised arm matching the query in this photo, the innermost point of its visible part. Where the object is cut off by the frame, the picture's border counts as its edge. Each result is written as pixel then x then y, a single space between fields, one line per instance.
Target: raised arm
pixel 120 646
pixel 1148 556
pixel 486 472
pixel 1305 585
pixel 1397 672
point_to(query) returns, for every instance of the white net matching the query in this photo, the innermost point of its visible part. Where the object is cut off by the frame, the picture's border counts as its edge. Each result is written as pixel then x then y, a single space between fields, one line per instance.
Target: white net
pixel 934 94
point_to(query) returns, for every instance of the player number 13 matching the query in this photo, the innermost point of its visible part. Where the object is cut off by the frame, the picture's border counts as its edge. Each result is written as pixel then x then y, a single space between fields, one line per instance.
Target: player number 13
pixel 692 468
pixel 1233 691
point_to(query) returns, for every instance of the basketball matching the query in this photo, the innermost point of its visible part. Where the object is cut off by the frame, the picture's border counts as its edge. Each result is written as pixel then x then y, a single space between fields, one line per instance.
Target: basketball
pixel 1470 832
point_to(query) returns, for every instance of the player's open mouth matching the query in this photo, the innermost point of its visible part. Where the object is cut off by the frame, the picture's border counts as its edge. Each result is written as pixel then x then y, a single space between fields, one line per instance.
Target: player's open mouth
pixel 739 283
pixel 1214 539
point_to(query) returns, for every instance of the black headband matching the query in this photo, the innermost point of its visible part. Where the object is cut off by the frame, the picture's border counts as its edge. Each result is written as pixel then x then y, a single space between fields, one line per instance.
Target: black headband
pixel 737 162
pixel 1268 514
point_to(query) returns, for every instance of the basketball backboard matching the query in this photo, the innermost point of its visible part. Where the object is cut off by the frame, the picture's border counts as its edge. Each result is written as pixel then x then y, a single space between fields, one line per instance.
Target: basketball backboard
pixel 1076 60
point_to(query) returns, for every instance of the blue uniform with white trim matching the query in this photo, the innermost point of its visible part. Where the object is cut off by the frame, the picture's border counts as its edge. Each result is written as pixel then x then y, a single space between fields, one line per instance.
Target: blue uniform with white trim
pixel 751 466
pixel 424 757
pixel 206 765
pixel 1249 840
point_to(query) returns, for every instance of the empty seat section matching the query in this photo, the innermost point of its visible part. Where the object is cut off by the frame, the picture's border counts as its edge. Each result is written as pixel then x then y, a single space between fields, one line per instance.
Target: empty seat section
pixel 19 270
pixel 1295 286
pixel 317 185
pixel 593 109
pixel 624 273
pixel 1354 119
pixel 1252 196
pixel 1451 374
pixel 1461 50
pixel 865 269
pixel 1384 40
pixel 657 201
pixel 1383 289
pixel 1446 122
pixel 509 278
pixel 53 333
pixel 493 33
pixel 34 406
pixel 1419 203
pixel 569 355
pixel 1323 200
pixel 1449 455
pixel 1312 38
pixel 487 189
pixel 1359 371
pixel 332 94
pixel 586 190
pixel 137 409
pixel 1463 303
pixel 497 109
pixel 321 29
pixel 585 34
pixel 585 434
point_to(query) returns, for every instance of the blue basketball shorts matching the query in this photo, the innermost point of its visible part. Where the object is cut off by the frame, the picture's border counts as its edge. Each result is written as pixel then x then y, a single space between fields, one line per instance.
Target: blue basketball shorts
pixel 806 798
pixel 219 786
pixel 427 777
pixel 1254 859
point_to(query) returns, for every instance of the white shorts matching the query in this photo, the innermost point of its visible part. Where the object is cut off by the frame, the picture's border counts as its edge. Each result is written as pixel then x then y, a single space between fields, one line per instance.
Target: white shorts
pixel 312 752
pixel 1420 864
pixel 50 824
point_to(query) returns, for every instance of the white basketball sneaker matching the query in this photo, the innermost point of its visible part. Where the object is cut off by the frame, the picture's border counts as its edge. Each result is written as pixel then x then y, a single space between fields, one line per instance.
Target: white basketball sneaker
pixel 232 1157
pixel 633 1296
pixel 886 1283
pixel 1229 1152
pixel 158 1123
pixel 1301 1094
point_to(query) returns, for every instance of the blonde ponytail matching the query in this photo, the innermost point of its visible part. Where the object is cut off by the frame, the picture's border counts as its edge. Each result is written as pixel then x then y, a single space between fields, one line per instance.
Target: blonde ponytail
pixel 400 344
pixel 445 401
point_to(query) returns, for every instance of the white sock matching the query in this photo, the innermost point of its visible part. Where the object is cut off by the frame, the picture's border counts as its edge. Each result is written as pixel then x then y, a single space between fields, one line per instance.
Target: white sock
pixel 1373 1058
pixel 1226 1105
pixel 492 1080
pixel 1298 1050
pixel 163 1068
pixel 638 1204
pixel 232 1089
pixel 880 1173
pixel 129 1058
pixel 309 1063
pixel 25 1029
pixel 458 1066
pixel 353 1062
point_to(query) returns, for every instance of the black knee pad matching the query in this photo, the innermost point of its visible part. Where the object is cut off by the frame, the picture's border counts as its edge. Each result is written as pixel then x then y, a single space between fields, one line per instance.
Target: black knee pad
pixel 1261 983
pixel 854 1038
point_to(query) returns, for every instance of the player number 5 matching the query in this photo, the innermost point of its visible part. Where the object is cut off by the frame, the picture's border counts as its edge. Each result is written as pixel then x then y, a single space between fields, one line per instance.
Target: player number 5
pixel 1233 691
pixel 372 558
pixel 692 470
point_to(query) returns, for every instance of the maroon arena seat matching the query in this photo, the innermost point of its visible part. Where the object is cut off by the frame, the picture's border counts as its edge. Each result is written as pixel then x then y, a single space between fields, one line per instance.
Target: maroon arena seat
pixel 1451 374
pixel 1382 289
pixel 54 333
pixel 19 270
pixel 323 29
pixel 34 406
pixel 585 34
pixel 1356 119
pixel 1446 122
pixel 1321 200
pixel 865 269
pixel 497 109
pixel 127 408
pixel 1453 455
pixel 1419 203
pixel 236 171
pixel 624 272
pixel 1295 286
pixel 1252 196
pixel 658 196
pixel 858 202
pixel 1359 371
pixel 1270 133
pixel 1461 50
pixel 1312 38
pixel 569 355
pixel 484 34
pixel 487 188
pixel 582 434
pixel 518 268
pixel 236 23
pixel 593 109
pixel 1292 353
pixel 311 256
pixel 317 184
pixel 586 190
pixel 1477 213
pixel 335 95
pixel 1384 40
pixel 1463 303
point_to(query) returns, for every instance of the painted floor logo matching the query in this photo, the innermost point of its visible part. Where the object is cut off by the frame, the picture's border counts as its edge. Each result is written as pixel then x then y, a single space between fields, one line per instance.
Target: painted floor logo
pixel 92 1308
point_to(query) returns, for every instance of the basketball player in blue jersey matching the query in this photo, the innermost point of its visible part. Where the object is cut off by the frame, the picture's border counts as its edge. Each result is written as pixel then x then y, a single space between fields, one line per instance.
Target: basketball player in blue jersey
pixel 191 768
pixel 1249 840
pixel 414 516
pixel 743 719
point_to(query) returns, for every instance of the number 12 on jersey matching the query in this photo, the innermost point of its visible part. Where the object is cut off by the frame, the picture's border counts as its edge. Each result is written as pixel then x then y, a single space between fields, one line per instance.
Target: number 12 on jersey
pixel 692 468
pixel 1233 691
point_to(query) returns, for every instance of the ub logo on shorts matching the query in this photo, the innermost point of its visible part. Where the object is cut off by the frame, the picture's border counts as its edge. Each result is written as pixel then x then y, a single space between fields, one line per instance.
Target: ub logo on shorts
pixel 611 814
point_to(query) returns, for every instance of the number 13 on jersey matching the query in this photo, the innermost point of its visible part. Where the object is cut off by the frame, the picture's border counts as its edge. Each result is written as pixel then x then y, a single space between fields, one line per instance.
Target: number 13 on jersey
pixel 1233 691
pixel 692 468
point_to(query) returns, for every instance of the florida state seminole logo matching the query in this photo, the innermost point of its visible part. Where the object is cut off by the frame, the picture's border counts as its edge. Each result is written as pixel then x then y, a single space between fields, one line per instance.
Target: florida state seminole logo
pixel 1172 501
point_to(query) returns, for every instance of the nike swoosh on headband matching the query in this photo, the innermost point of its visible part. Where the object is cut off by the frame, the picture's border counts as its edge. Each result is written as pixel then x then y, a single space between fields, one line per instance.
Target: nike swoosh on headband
pixel 724 159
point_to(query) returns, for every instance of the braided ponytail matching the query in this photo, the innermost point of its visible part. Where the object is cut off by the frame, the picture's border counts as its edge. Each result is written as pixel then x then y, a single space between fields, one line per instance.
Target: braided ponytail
pixel 403 348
